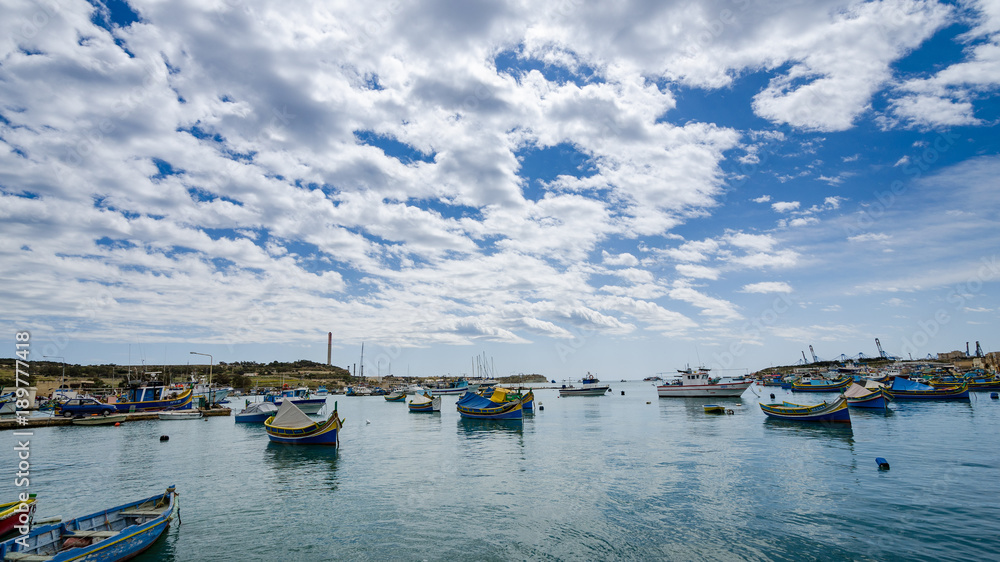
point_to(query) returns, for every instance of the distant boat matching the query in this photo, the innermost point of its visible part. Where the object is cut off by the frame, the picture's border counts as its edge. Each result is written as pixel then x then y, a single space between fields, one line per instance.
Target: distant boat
pixel 474 406
pixel 905 389
pixel 395 396
pixel 425 403
pixel 291 426
pixel 871 398
pixel 95 419
pixel 300 396
pixel 822 412
pixel 822 385
pixel 258 412
pixel 181 415
pixel 699 383
pixel 10 514
pixel 500 395
pixel 322 391
pixel 119 533
pixel 590 387
pixel 457 387
pixel 653 378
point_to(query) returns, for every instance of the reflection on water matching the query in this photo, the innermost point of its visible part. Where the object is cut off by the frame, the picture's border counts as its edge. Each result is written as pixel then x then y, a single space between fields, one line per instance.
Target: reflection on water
pixel 288 460
pixel 811 430
pixel 484 429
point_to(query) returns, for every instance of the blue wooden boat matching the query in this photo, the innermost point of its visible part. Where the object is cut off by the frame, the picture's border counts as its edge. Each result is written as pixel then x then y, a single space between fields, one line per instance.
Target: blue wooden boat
pixel 860 397
pixel 822 385
pixel 835 411
pixel 291 426
pixel 258 412
pixel 119 533
pixel 425 403
pixel 499 395
pixel 301 397
pixel 905 389
pixel 395 396
pixel 152 398
pixel 474 406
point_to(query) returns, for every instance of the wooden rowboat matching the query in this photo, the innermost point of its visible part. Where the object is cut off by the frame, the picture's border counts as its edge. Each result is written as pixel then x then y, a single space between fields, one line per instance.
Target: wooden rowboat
pixel 471 405
pixel 823 412
pixel 110 535
pixel 290 426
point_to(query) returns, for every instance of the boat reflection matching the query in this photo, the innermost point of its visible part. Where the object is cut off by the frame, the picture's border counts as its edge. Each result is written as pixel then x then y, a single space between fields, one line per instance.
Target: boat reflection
pixel 478 429
pixel 292 462
pixel 811 430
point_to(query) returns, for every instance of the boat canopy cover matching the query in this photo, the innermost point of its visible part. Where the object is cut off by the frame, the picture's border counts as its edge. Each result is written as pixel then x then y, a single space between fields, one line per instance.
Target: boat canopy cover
pixel 907 384
pixel 260 408
pixel 290 416
pixel 500 395
pixel 472 400
pixel 857 391
pixel 421 399
pixel 872 385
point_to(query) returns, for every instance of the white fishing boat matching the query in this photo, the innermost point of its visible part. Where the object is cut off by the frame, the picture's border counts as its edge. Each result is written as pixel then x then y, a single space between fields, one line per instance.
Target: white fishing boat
pixel 698 383
pixel 181 415
pixel 590 386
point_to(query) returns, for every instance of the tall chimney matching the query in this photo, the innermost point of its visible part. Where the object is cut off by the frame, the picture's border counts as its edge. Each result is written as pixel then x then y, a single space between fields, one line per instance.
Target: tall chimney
pixel 329 347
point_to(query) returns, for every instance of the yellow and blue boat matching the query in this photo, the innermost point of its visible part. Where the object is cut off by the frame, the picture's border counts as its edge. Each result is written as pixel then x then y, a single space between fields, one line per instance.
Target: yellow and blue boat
pixel 905 389
pixel 872 398
pixel 290 426
pixel 110 535
pixel 473 406
pixel 835 412
pixel 822 385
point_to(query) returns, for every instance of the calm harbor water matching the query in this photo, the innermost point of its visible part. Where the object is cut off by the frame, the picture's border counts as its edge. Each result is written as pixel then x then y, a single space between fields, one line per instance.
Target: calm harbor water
pixel 588 478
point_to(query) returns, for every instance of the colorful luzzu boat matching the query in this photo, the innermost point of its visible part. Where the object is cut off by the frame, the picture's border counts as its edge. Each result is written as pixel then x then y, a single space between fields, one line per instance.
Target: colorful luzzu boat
pixel 425 403
pixel 290 426
pixel 830 412
pixel 872 398
pixel 474 406
pixel 822 385
pixel 905 389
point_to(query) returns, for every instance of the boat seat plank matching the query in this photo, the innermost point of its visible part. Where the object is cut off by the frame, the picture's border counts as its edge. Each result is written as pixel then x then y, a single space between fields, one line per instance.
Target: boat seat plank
pixel 142 513
pixel 25 557
pixel 96 534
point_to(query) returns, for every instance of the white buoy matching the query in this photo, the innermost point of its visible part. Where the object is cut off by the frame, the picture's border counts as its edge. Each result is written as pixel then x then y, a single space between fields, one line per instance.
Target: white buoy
pixel 368 422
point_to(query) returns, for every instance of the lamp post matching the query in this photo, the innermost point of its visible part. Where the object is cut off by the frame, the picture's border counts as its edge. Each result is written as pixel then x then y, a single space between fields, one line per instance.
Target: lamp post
pixel 63 380
pixel 210 361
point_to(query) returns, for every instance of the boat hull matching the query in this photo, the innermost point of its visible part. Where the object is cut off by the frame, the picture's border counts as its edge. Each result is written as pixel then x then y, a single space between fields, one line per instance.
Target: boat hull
pixel 835 412
pixel 598 391
pixel 506 411
pixel 430 405
pixel 307 405
pixel 138 529
pixel 734 390
pixel 878 400
pixel 182 401
pixel 833 387
pixel 10 514
pixel 100 420
pixel 948 393
pixel 182 415
pixel 327 433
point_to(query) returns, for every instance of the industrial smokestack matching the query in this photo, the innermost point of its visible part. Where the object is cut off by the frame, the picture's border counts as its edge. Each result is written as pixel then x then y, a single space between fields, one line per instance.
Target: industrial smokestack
pixel 329 347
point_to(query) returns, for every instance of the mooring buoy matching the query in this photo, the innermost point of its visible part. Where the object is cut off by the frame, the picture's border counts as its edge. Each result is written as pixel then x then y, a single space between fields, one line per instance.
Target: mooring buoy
pixel 882 463
pixel 994 395
pixel 623 393
pixel 772 396
pixel 164 438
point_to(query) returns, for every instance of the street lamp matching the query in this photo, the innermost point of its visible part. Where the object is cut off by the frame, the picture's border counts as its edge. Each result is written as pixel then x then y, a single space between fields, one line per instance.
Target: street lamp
pixel 63 381
pixel 210 361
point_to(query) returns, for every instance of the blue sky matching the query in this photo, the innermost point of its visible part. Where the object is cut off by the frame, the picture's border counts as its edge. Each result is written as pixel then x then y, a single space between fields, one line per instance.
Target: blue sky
pixel 622 188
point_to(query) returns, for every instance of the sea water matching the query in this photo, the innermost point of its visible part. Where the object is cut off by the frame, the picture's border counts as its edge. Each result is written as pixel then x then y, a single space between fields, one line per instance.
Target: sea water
pixel 618 477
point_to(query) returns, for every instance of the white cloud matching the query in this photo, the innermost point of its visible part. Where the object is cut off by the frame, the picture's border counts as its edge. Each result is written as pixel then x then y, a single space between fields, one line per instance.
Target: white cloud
pixel 767 287
pixel 625 259
pixel 697 271
pixel 762 199
pixel 785 206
